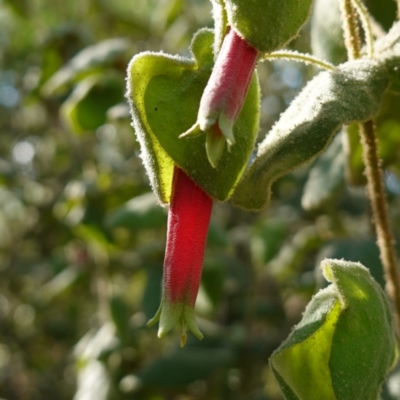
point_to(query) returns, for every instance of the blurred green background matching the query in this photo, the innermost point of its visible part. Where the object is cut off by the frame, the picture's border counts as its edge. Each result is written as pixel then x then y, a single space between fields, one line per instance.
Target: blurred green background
pixel 82 238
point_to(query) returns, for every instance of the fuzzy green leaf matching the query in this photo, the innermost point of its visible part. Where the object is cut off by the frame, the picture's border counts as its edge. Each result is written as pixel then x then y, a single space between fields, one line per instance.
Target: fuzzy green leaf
pixel 352 92
pixel 220 23
pixel 344 346
pixel 388 51
pixel 363 250
pixel 268 24
pixel 165 93
pixel 293 361
pixel 363 347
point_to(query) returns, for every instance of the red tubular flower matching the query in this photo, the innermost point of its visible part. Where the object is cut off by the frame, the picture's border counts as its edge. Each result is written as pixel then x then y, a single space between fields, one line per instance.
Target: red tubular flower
pixel 188 221
pixel 224 94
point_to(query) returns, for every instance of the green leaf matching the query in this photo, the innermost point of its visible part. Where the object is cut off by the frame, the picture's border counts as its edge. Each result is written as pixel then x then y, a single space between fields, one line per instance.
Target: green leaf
pixel 285 265
pixel 91 59
pixel 94 236
pixel 303 359
pixel 94 371
pixel 212 280
pixel 326 32
pixel 166 12
pixel 287 392
pixel 165 94
pixel 388 52
pixel 142 212
pixel 268 25
pixel 20 7
pixel 352 92
pixel 363 347
pixel 120 315
pixel 325 177
pixel 220 23
pixel 60 284
pixel 89 367
pixel 152 293
pixel 86 108
pixel 183 367
pixel 345 344
pixel 267 240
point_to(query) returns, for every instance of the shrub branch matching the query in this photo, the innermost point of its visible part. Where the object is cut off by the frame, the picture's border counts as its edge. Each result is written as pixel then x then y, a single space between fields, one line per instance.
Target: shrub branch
pixel 373 172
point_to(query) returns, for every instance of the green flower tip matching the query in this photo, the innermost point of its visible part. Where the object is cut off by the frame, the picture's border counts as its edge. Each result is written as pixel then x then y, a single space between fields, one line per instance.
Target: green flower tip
pixel 216 136
pixel 192 132
pixel 168 315
pixel 215 143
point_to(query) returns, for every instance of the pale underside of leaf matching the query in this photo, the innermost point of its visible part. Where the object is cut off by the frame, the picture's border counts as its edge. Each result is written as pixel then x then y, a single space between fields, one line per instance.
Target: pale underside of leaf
pixel 299 361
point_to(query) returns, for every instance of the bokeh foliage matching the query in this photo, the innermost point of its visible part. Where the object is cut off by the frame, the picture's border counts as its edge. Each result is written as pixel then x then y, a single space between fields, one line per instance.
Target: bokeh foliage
pixel 82 238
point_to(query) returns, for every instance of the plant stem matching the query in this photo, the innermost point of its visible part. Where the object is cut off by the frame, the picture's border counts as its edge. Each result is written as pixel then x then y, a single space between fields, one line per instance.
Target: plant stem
pixel 299 57
pixel 350 30
pixel 374 175
pixel 366 23
pixel 377 197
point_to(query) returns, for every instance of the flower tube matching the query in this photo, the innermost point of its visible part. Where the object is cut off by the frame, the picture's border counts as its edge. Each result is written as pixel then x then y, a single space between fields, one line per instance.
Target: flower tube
pixel 188 221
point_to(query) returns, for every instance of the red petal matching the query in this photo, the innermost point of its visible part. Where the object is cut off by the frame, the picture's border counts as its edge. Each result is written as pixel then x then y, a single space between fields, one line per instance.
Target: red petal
pixel 188 221
pixel 245 68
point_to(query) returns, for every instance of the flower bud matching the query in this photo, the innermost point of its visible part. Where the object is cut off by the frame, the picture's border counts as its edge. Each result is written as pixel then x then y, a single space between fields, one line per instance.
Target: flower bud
pixel 224 94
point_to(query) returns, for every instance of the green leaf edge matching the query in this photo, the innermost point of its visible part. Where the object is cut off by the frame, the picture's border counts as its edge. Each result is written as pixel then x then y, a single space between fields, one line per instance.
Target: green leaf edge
pixel 162 164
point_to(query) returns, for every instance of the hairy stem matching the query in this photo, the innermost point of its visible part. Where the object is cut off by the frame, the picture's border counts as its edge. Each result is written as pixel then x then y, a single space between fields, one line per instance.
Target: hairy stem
pixel 374 175
pixel 350 30
pixel 377 197
pixel 299 57
pixel 366 24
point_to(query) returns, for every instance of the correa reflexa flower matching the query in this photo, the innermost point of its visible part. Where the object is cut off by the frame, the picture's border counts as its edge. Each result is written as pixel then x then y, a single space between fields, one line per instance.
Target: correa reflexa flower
pixel 188 221
pixel 224 94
